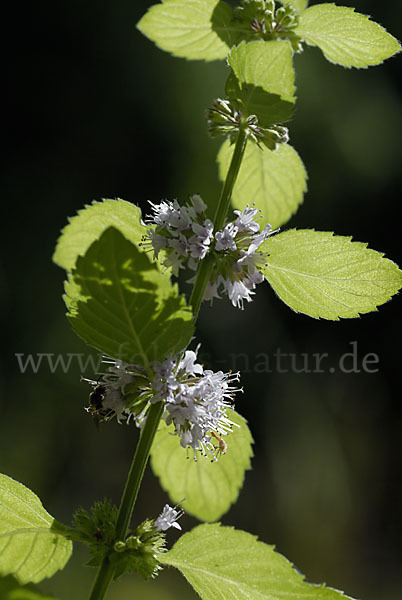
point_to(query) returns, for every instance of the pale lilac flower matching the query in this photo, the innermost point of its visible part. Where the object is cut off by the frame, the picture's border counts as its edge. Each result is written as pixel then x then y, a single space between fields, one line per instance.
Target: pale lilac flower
pixel 203 232
pixel 158 242
pixel 111 389
pixel 259 239
pixel 201 241
pixel 163 213
pixel 119 375
pixel 196 401
pixel 174 260
pixel 211 291
pixel 198 204
pixel 182 231
pixel 181 219
pixel 246 220
pixel 238 291
pixel 165 383
pixel 187 238
pixel 225 239
pixel 236 272
pixel 168 518
pixel 189 365
pixel 113 402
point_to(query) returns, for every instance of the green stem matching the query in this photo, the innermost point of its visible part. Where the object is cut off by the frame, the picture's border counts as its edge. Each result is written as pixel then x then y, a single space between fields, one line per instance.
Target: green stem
pixel 137 469
pixel 106 570
pixel 103 580
pixel 234 168
pixel 206 266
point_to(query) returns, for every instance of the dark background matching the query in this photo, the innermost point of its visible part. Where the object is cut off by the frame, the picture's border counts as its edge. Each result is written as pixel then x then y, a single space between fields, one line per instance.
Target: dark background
pixel 94 110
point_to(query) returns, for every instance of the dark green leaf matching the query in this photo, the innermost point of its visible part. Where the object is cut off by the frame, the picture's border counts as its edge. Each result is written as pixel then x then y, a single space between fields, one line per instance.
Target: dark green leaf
pixel 121 304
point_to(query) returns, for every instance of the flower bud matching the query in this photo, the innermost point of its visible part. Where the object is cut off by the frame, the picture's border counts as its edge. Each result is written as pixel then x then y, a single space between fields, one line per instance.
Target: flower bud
pixel 297 46
pixel 223 118
pixel 133 542
pixel 288 22
pixel 119 546
pixel 274 136
pixel 270 5
pixel 280 13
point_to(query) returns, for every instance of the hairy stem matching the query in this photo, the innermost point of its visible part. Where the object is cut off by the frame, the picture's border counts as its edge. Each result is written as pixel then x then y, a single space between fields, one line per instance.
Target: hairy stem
pixel 137 469
pixel 134 478
pixel 234 168
pixel 106 570
pixel 205 268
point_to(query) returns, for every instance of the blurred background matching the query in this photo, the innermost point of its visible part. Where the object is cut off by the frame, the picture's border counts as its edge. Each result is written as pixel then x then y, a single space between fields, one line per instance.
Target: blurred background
pixel 97 111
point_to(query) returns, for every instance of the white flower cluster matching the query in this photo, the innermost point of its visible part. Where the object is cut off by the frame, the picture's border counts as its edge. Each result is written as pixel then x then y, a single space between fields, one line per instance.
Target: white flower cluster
pixel 187 237
pixel 196 402
pixel 183 231
pixel 236 268
pixel 195 399
pixel 109 397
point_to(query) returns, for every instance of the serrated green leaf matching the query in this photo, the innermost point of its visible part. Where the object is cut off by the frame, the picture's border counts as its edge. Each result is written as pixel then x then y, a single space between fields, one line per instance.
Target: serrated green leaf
pixel 209 488
pixel 346 37
pixel 221 562
pixel 299 5
pixel 327 276
pixel 90 222
pixel 10 589
pixel 193 29
pixel 274 181
pixel 33 545
pixel 265 80
pixel 122 305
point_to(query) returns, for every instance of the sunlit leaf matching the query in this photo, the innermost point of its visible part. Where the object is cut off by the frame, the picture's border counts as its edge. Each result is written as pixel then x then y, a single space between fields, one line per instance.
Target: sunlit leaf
pixel 194 29
pixel 346 37
pixel 299 5
pixel 209 488
pixel 274 181
pixel 328 276
pixel 265 80
pixel 33 545
pixel 221 562
pixel 90 222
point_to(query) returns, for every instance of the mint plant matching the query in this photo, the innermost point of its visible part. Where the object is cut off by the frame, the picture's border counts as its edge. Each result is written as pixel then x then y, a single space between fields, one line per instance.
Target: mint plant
pixel 123 298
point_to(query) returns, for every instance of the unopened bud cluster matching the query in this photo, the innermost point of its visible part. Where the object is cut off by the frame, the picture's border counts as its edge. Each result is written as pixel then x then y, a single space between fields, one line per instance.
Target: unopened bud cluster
pixel 225 119
pixel 261 19
pixel 141 550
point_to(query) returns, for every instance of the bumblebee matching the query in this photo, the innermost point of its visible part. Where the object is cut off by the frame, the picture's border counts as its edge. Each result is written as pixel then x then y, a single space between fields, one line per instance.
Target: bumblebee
pixel 96 399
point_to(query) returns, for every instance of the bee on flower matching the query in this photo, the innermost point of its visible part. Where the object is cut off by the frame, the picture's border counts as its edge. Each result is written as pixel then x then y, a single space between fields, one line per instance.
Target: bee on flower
pixel 195 399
